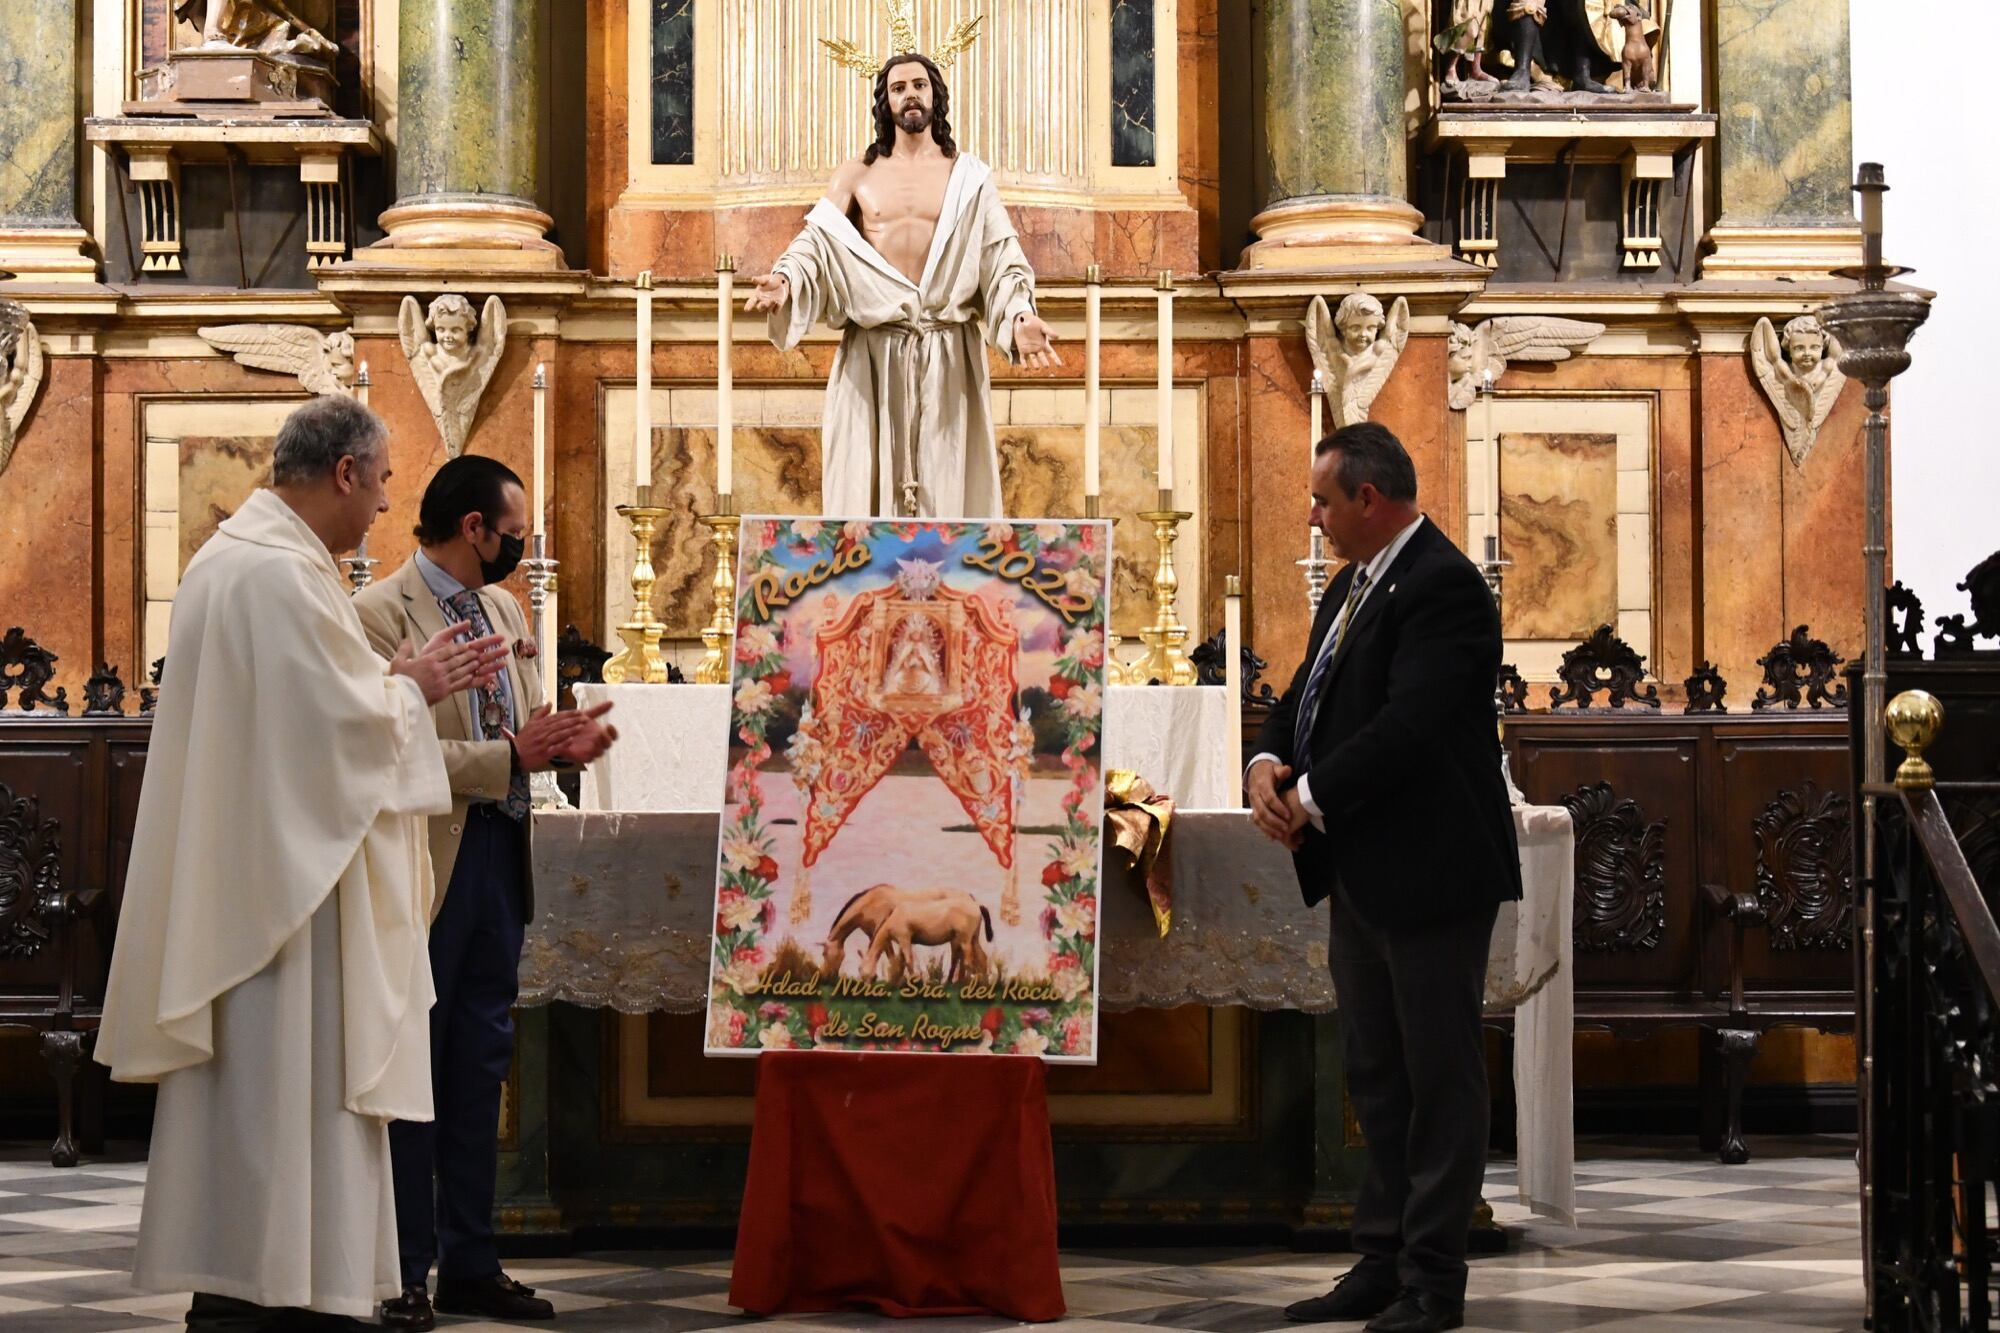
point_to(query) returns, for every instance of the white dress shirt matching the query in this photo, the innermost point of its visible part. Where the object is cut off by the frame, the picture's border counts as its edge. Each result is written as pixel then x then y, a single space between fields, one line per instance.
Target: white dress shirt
pixel 1376 568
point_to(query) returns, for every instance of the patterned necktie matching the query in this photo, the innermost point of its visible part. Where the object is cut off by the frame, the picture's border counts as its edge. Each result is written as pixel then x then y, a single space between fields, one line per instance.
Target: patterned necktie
pixel 1309 705
pixel 463 607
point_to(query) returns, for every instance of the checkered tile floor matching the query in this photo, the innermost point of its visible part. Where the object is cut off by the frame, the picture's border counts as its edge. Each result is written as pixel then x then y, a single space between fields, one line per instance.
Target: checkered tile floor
pixel 1667 1242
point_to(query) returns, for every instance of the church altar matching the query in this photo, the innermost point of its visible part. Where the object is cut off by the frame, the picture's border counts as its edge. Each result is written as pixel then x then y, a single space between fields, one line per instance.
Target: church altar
pixel 669 754
pixel 626 897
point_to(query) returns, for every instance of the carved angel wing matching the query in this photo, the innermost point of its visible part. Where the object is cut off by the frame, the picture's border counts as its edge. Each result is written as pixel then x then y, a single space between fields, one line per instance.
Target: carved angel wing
pixel 1321 340
pixel 962 36
pixel 1789 397
pixel 1538 337
pixel 29 356
pixel 492 339
pixel 410 324
pixel 1767 358
pixel 1397 329
pixel 288 349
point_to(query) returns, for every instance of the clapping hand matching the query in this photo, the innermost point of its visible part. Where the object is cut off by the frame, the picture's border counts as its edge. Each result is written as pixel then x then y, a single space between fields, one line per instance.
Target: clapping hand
pixel 576 736
pixel 1035 342
pixel 770 293
pixel 451 662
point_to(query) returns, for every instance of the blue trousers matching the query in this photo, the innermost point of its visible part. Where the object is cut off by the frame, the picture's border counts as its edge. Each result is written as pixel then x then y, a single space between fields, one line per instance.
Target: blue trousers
pixel 444 1171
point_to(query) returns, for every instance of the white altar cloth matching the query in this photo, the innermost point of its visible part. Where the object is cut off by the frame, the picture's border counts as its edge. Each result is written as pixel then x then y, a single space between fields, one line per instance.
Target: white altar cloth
pixel 629 930
pixel 672 751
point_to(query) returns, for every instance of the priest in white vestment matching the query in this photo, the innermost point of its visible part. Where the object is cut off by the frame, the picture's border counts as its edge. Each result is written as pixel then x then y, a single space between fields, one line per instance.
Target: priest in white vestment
pixel 270 971
pixel 933 271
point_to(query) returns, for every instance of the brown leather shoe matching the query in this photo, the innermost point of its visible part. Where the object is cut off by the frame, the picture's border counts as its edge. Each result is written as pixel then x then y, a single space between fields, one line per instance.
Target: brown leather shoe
pixel 410 1311
pixel 496 1297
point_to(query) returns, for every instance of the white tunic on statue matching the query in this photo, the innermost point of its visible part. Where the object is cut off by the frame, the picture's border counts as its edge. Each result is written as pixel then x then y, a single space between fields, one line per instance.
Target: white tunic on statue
pixel 910 398
pixel 271 970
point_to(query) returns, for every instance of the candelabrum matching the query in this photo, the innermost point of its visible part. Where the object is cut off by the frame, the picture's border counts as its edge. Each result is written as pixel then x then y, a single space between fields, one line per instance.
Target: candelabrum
pixel 360 568
pixel 1874 326
pixel 541 570
pixel 719 635
pixel 1166 658
pixel 1316 564
pixel 640 662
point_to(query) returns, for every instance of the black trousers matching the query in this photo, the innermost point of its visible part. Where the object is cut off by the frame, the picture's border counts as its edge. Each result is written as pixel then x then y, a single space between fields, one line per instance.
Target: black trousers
pixel 1410 1005
pixel 444 1171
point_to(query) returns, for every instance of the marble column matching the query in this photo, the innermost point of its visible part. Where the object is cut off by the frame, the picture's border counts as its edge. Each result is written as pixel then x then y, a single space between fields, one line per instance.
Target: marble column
pixel 1335 152
pixel 40 239
pixel 1785 146
pixel 468 139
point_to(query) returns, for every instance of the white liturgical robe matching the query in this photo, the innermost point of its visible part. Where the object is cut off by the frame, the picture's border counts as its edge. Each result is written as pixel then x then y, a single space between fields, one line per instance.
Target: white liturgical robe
pixel 910 399
pixel 271 970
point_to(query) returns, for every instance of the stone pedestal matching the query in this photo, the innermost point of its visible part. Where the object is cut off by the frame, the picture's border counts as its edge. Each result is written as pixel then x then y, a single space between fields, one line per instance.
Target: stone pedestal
pixel 1335 151
pixel 40 239
pixel 470 118
pixel 1786 144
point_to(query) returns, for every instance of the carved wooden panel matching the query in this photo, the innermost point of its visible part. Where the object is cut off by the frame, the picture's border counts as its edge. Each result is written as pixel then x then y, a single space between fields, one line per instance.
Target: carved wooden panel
pixel 1621 869
pixel 30 874
pixel 1805 868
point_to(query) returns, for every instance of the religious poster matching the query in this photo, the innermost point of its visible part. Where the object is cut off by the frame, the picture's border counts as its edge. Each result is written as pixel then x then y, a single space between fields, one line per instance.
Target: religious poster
pixel 909 856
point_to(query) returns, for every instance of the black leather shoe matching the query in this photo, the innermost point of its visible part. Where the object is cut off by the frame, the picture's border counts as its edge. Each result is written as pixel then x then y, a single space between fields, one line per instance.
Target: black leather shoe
pixel 496 1297
pixel 410 1311
pixel 1419 1312
pixel 1357 1296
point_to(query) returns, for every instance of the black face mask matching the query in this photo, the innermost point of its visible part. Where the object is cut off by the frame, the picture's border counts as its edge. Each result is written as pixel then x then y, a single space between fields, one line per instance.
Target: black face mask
pixel 503 564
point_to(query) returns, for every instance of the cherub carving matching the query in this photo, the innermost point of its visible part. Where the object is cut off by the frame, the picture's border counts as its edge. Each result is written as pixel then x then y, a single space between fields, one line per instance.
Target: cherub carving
pixel 451 367
pixel 20 374
pixel 1801 375
pixel 1354 349
pixel 324 362
pixel 1473 352
pixel 267 26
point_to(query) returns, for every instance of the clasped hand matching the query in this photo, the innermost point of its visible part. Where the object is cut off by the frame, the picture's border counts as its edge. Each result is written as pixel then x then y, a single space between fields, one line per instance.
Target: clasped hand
pixel 575 736
pixel 1279 816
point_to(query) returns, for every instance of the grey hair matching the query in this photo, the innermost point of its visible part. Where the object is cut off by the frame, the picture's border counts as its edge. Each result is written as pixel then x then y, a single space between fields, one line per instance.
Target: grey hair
pixel 315 438
pixel 1370 454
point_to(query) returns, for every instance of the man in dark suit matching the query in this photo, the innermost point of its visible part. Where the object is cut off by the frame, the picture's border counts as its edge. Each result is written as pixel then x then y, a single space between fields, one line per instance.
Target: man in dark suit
pixel 471 530
pixel 1380 769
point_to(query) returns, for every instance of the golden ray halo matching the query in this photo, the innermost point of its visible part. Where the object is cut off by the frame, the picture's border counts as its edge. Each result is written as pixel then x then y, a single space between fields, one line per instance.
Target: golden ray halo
pixel 903 41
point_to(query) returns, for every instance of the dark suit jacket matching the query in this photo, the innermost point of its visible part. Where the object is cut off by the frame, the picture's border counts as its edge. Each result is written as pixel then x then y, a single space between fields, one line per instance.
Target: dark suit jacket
pixel 1405 753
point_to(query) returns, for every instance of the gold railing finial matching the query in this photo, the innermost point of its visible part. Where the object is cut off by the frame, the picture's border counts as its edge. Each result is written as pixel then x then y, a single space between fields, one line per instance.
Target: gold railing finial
pixel 1914 719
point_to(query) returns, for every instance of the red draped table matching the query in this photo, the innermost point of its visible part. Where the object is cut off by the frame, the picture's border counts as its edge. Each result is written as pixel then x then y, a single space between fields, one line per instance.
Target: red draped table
pixel 912 1185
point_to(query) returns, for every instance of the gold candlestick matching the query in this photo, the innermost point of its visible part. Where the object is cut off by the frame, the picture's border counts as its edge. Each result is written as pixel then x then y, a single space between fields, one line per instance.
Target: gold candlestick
pixel 1166 658
pixel 719 636
pixel 640 662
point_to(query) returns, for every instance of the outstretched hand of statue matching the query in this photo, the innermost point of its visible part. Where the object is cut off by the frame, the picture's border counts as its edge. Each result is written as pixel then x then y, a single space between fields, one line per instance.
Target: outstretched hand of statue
pixel 769 294
pixel 1035 342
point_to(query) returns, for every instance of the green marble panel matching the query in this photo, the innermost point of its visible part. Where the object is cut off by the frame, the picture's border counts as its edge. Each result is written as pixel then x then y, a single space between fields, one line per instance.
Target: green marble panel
pixel 1786 141
pixel 1333 100
pixel 38 47
pixel 471 98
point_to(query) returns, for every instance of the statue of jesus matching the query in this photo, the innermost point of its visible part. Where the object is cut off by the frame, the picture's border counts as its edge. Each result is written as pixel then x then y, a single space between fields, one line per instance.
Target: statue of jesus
pixel 912 257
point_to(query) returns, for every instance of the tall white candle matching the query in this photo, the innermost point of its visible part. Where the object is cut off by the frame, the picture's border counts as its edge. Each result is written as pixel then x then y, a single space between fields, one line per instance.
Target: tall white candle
pixel 1318 414
pixel 547 639
pixel 540 498
pixel 1232 674
pixel 1093 314
pixel 1166 380
pixel 642 413
pixel 361 387
pixel 1492 447
pixel 725 374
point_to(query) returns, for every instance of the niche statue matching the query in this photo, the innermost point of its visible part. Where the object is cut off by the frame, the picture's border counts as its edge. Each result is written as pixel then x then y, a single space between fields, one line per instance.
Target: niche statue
pixel 269 27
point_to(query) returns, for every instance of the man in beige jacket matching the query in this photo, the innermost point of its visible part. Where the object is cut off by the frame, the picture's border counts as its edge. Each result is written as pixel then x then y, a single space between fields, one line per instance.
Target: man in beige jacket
pixel 470 531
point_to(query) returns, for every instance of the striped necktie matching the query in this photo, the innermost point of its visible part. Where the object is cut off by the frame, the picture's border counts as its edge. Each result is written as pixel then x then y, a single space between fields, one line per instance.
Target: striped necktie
pixel 494 714
pixel 1309 705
